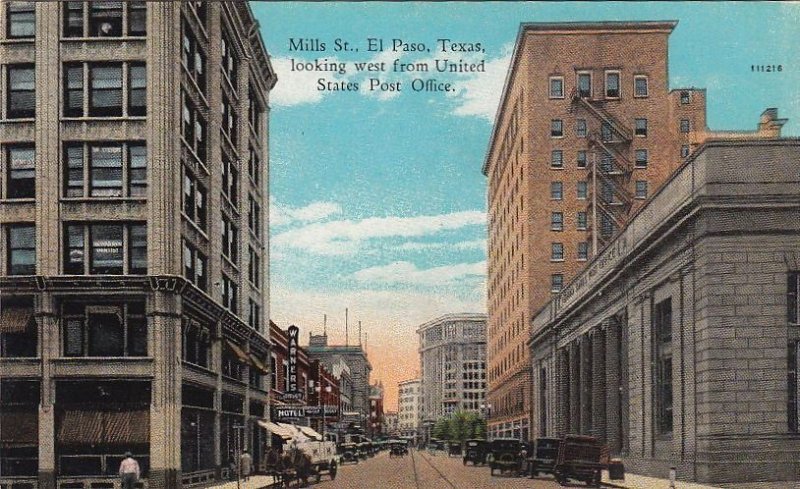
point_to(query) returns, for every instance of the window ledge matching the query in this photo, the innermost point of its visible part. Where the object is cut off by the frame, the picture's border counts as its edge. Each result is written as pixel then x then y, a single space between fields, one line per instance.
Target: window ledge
pixel 26 200
pixel 18 40
pixel 18 120
pixel 556 167
pixel 114 200
pixel 99 118
pixel 101 39
pixel 557 260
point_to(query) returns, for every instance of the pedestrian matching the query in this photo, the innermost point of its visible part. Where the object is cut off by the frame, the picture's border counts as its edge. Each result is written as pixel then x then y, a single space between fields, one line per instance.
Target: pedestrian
pixel 232 466
pixel 129 471
pixel 245 465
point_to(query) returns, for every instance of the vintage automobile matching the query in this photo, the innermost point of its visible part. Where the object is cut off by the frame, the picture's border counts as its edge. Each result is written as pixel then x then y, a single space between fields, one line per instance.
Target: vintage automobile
pixel 348 453
pixel 504 455
pixel 474 451
pixel 454 449
pixel 542 458
pixel 581 458
pixel 398 448
pixel 435 445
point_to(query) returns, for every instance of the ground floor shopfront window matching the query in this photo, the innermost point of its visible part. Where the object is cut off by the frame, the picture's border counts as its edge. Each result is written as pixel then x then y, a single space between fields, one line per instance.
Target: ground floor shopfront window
pixel 19 429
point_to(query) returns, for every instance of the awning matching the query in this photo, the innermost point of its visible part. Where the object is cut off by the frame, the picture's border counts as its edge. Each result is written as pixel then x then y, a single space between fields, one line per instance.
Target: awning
pixel 19 428
pixel 258 364
pixel 276 429
pixel 98 427
pixel 237 350
pixel 15 319
pixel 309 432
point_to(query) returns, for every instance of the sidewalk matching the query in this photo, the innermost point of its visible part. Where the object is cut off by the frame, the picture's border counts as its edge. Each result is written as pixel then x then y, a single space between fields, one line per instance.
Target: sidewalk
pixel 634 481
pixel 255 482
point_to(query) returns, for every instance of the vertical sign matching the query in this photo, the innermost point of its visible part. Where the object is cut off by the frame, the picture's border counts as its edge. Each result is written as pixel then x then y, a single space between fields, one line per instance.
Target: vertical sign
pixel 294 333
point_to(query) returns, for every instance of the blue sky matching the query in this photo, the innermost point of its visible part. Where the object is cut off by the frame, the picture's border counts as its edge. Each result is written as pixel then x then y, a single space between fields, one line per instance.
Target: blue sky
pixel 378 201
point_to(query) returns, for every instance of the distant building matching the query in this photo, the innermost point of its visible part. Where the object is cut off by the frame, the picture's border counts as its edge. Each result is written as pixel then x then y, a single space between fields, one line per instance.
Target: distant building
pixel 356 359
pixel 375 422
pixel 390 426
pixel 409 404
pixel 453 359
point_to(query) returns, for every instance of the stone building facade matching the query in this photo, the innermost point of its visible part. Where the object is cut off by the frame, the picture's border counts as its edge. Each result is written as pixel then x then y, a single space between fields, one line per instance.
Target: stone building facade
pixel 678 344
pixel 452 352
pixel 409 404
pixel 360 369
pixel 587 130
pixel 133 231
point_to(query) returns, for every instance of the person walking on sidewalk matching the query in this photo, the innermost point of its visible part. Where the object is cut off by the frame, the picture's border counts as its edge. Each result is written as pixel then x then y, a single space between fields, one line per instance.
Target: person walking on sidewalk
pixel 129 471
pixel 245 465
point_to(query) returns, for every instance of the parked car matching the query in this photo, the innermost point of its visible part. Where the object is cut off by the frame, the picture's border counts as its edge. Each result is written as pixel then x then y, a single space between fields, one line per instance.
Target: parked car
pixel 504 455
pixel 348 453
pixel 399 448
pixel 542 459
pixel 475 452
pixel 582 458
pixel 454 449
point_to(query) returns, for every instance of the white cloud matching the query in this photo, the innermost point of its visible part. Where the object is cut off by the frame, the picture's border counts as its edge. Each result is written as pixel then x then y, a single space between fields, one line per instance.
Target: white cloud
pixel 280 215
pixel 299 87
pixel 347 236
pixel 477 244
pixel 403 272
pixel 479 94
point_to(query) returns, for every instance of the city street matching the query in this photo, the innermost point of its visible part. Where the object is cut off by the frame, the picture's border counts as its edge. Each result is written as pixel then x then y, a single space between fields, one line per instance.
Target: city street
pixel 420 470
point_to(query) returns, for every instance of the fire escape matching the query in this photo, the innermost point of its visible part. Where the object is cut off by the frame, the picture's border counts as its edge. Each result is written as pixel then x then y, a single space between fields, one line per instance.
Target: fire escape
pixel 610 170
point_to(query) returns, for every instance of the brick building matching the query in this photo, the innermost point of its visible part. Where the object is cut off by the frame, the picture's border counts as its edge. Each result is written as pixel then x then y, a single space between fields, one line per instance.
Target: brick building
pixel 280 381
pixel 355 357
pixel 678 345
pixel 133 231
pixel 587 129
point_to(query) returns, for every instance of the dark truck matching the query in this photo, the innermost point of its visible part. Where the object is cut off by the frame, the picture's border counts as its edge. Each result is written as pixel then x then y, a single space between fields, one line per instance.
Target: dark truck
pixel 542 459
pixel 504 455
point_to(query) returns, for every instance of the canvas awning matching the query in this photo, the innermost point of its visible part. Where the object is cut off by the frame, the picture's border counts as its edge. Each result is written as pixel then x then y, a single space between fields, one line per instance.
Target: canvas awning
pixel 275 428
pixel 97 427
pixel 239 352
pixel 258 364
pixel 311 433
pixel 15 319
pixel 19 428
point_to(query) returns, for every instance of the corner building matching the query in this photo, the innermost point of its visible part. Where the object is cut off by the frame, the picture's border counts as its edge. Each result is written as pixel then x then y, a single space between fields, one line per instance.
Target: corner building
pixel 586 131
pixel 133 235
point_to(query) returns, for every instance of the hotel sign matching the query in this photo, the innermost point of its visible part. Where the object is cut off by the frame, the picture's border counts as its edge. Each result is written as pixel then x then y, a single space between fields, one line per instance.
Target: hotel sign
pixel 294 335
pixel 294 412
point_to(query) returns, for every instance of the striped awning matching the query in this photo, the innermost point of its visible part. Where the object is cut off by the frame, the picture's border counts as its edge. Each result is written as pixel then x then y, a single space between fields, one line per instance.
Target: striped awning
pixel 258 364
pixel 311 433
pixel 239 352
pixel 275 428
pixel 15 319
pixel 19 428
pixel 99 427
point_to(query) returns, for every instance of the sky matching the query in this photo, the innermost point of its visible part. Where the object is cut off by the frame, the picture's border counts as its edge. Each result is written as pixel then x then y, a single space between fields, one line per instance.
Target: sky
pixel 377 200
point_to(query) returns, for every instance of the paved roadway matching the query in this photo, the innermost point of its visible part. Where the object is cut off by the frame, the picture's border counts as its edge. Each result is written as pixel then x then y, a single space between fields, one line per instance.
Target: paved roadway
pixel 422 470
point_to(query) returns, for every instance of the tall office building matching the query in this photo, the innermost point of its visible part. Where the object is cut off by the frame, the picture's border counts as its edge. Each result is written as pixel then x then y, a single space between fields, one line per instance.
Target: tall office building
pixel 587 129
pixel 360 369
pixel 409 398
pixel 133 231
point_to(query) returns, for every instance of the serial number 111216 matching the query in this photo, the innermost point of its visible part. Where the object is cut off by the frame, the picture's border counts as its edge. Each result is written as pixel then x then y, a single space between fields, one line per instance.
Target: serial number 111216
pixel 766 68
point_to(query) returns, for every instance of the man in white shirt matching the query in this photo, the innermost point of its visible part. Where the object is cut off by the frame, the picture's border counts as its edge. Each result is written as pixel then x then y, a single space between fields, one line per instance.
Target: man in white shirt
pixel 129 471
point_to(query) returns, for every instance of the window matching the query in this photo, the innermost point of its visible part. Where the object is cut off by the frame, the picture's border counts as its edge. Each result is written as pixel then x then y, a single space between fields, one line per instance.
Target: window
pixel 556 190
pixel 273 371
pixel 640 88
pixel 582 189
pixel 607 227
pixel 557 252
pixel 106 90
pixel 254 167
pixel 21 182
pixel 556 282
pixel 580 128
pixel 193 129
pixel 641 189
pixel 684 97
pixel 556 128
pixel 584 84
pixel 230 240
pixel 21 92
pixel 640 127
pixel 581 159
pixel 21 20
pixel 684 151
pixel 556 87
pixel 580 220
pixel 230 180
pixel 556 159
pixel 194 266
pixel 641 158
pixel 137 18
pixel 556 221
pixel 793 298
pixel 104 330
pixel 254 217
pixel 685 126
pixel 662 335
pixel 105 19
pixel 196 347
pixel 21 249
pixel 113 249
pixel 73 90
pixel 583 250
pixel 229 293
pixel 228 60
pixel 105 170
pixel 255 113
pixel 193 57
pixel 229 124
pixel 137 90
pixel 194 200
pixel 612 84
pixel 254 267
pixel 254 314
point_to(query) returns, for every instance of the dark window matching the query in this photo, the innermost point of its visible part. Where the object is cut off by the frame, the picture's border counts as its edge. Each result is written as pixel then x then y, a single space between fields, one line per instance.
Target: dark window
pixel 685 126
pixel 73 19
pixel 73 90
pixel 556 159
pixel 105 19
pixel 581 159
pixel 557 251
pixel 607 192
pixel 107 249
pixel 106 171
pixel 230 180
pixel 21 182
pixel 556 221
pixel 606 133
pixel 641 189
pixel 137 18
pixel 21 92
pixel 606 162
pixel 254 166
pixel 137 90
pixel 193 129
pixel 230 240
pixel 556 282
pixel 684 97
pixel 229 293
pixel 229 62
pixel 18 339
pixel 255 112
pixel 254 216
pixel 107 168
pixel 21 249
pixel 137 249
pixel 793 385
pixel 582 189
pixel 254 316
pixel 793 290
pixel 607 227
pixel 580 128
pixel 137 170
pixel 74 261
pixel 229 125
pixel 194 200
pixel 612 85
pixel 106 90
pixel 583 250
pixel 104 244
pixel 584 85
pixel 21 19
pixel 556 190
pixel 641 127
pixel 640 88
pixel 556 87
pixel 580 220
pixel 641 158
pixel 254 268
pixel 105 330
pixel 684 151
pixel 556 128
pixel 194 264
pixel 193 57
pixel 662 329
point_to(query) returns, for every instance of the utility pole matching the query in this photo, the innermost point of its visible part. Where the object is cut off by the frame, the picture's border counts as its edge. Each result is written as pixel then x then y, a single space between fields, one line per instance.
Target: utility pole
pixel 346 341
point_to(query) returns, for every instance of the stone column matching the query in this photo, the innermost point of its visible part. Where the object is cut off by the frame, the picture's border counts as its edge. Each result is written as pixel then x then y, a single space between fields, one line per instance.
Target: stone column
pixel 47 322
pixel 562 400
pixel 599 383
pixel 165 412
pixel 613 385
pixel 574 387
pixel 216 366
pixel 586 385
